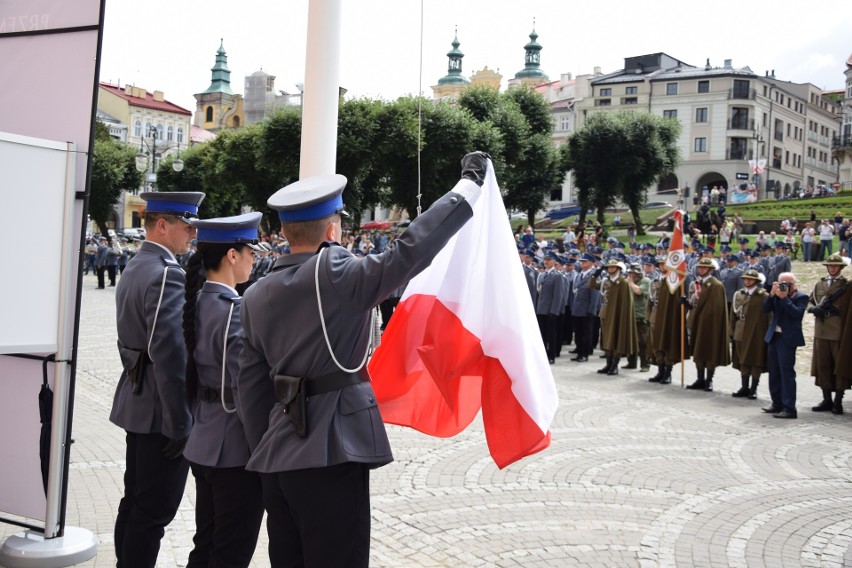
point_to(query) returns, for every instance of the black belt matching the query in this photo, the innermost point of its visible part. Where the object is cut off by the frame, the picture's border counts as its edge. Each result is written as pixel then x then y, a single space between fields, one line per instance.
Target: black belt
pixel 213 395
pixel 335 381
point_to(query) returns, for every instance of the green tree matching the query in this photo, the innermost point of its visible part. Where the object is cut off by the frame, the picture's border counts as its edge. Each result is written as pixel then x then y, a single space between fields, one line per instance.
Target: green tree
pixel 113 171
pixel 617 156
pixel 358 135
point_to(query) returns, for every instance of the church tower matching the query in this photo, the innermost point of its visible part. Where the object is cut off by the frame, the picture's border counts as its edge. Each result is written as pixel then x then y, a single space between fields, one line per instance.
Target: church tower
pixel 218 107
pixel 531 74
pixel 451 85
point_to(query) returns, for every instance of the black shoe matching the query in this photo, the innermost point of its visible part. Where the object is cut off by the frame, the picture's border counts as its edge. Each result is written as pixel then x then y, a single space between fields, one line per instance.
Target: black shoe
pixel 838 408
pixel 708 386
pixel 613 368
pixel 785 414
pixel 743 392
pixel 772 409
pixel 824 406
pixel 697 385
pixel 580 358
pixel 551 361
pixel 573 351
pixel 667 378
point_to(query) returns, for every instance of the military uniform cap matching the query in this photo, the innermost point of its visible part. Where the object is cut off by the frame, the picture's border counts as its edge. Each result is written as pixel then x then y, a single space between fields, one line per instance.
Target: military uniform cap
pixel 743 241
pixel 309 199
pixel 615 262
pixel 780 244
pixel 571 261
pixel 661 259
pixel 648 259
pixel 725 248
pixel 236 229
pixel 753 254
pixel 707 262
pixel 574 252
pixel 835 260
pixel 752 273
pixel 587 257
pixel 612 240
pixel 181 204
pixel 552 256
pixel 732 259
pixel 635 269
pixel 619 245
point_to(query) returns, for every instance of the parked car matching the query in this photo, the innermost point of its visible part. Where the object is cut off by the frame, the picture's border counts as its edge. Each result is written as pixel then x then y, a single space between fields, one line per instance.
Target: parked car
pixel 134 233
pixel 562 211
pixel 658 205
pixel 376 225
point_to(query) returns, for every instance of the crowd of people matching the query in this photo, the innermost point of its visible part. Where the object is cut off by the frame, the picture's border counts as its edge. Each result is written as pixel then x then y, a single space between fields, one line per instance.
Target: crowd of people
pixel 742 308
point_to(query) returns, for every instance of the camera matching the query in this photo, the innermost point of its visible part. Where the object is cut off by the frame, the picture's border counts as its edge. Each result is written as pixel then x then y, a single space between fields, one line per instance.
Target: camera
pixel 784 286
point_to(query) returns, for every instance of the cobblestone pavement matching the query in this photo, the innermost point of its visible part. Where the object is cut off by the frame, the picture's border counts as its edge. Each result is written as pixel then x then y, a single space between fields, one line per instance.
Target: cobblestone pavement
pixel 637 475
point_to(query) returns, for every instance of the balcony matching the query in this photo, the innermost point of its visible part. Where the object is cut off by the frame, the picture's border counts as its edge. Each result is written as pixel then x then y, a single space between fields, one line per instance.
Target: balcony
pixel 841 142
pixel 629 100
pixel 741 124
pixel 742 94
pixel 737 154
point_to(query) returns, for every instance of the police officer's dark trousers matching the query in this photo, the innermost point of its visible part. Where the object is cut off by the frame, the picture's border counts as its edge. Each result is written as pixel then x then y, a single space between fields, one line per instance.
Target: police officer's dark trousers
pixel 153 487
pixel 228 515
pixel 319 517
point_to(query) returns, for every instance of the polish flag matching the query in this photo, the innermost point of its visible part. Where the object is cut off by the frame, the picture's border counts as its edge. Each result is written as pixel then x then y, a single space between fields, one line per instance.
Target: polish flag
pixel 464 337
pixel 676 260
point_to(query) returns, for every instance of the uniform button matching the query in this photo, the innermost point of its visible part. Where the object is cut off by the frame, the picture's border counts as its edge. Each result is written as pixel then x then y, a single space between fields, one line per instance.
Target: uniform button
pixel 453 199
pixel 370 399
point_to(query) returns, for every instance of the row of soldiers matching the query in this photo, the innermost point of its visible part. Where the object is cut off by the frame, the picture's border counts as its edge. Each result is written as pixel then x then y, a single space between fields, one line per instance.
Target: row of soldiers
pixel 629 308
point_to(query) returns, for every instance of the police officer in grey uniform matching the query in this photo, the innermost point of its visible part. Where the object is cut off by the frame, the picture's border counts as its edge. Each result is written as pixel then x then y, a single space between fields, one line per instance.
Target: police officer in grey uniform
pixel 229 499
pixel 307 331
pixel 150 401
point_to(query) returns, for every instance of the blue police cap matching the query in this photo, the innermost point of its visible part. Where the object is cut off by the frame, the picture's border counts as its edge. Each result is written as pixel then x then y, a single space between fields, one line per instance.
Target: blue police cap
pixel 765 246
pixel 236 229
pixel 648 259
pixel 571 261
pixel 574 252
pixel 754 254
pixel 552 256
pixel 743 241
pixel 725 248
pixel 309 199
pixel 181 204
pixel 732 258
pixel 619 245
pixel 587 257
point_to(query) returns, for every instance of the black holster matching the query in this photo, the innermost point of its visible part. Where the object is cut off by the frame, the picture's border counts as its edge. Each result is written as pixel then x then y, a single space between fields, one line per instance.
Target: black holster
pixel 291 393
pixel 134 362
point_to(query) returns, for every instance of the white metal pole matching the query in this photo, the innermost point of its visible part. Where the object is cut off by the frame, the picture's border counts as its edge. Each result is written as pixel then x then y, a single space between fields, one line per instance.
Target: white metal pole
pixel 322 88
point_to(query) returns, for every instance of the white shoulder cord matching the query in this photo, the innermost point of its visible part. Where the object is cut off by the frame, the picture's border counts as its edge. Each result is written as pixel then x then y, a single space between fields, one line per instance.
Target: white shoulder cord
pixel 325 331
pixel 157 312
pixel 224 362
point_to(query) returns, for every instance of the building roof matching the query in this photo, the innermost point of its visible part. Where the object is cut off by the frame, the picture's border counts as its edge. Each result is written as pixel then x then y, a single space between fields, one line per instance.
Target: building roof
pixel 198 135
pixel 690 72
pixel 146 102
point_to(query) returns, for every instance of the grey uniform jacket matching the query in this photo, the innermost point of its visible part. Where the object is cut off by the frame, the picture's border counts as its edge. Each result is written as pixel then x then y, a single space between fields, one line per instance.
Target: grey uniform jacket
pixel 731 279
pixel 550 299
pixel 586 299
pixel 161 405
pixel 218 438
pixel 283 336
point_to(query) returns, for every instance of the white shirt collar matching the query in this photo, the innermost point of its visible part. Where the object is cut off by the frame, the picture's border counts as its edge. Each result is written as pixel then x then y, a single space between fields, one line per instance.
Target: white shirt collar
pixel 168 252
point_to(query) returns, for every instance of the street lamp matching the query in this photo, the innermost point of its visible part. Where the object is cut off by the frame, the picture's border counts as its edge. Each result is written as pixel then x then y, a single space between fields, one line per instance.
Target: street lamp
pixel 154 152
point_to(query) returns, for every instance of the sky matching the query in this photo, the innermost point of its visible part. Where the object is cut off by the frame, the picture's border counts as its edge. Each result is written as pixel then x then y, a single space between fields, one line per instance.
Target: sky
pixel 170 45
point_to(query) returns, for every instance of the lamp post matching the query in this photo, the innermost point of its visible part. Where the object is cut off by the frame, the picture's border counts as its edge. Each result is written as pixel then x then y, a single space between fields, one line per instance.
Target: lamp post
pixel 142 162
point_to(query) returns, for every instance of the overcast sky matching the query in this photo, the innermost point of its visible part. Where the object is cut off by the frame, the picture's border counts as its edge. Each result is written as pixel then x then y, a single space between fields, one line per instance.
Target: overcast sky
pixel 170 45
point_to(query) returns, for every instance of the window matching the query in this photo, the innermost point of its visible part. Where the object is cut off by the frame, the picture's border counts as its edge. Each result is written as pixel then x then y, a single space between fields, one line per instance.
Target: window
pixel 671 88
pixel 630 101
pixel 701 114
pixel 180 135
pixel 170 133
pixel 147 129
pixel 137 128
pixel 606 92
pixel 159 132
pixel 738 149
pixel 739 119
pixel 631 91
pixel 703 86
pixel 208 117
pixel 741 89
pixel 564 122
pixel 700 145
pixel 603 102
pixel 670 113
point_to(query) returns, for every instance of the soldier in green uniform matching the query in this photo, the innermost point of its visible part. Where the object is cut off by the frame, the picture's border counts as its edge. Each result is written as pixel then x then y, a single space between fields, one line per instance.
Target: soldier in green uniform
pixel 667 328
pixel 748 329
pixel 829 301
pixel 618 327
pixel 640 285
pixel 707 322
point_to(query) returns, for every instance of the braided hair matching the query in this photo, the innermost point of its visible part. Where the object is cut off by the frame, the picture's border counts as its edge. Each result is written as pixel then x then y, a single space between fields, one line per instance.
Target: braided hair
pixel 208 256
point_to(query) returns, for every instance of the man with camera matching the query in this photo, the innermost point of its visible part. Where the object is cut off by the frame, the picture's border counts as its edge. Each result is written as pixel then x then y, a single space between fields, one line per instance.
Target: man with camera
pixel 829 300
pixel 784 335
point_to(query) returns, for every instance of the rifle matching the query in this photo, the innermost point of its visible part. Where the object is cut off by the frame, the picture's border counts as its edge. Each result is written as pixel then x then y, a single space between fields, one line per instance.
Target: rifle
pixel 826 307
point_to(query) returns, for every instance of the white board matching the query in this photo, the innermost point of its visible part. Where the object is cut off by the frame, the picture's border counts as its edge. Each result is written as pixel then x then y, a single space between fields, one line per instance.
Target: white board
pixel 31 228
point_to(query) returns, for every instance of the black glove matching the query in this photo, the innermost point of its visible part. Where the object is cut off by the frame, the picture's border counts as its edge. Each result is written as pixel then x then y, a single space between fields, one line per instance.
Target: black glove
pixel 817 311
pixel 474 166
pixel 599 271
pixel 174 448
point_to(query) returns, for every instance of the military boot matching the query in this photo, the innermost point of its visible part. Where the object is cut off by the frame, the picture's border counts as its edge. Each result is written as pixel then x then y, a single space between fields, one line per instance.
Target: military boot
pixel 708 384
pixel 631 362
pixel 752 392
pixel 667 376
pixel 644 367
pixel 661 371
pixel 605 369
pixel 744 390
pixel 838 403
pixel 613 369
pixel 826 403
pixel 699 382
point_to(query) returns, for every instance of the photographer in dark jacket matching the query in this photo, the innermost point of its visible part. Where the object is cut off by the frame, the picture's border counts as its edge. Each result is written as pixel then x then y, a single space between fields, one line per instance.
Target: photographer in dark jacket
pixel 784 335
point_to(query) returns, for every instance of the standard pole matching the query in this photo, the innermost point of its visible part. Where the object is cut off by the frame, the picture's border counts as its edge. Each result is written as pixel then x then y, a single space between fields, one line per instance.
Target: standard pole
pixel 322 89
pixel 682 332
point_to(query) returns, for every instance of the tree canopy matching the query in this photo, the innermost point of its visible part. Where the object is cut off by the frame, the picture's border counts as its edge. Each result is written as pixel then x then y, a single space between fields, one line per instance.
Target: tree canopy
pixel 617 156
pixel 113 171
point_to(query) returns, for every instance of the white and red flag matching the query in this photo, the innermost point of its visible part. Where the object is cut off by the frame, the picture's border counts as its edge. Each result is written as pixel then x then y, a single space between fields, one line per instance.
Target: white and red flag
pixel 464 337
pixel 676 260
